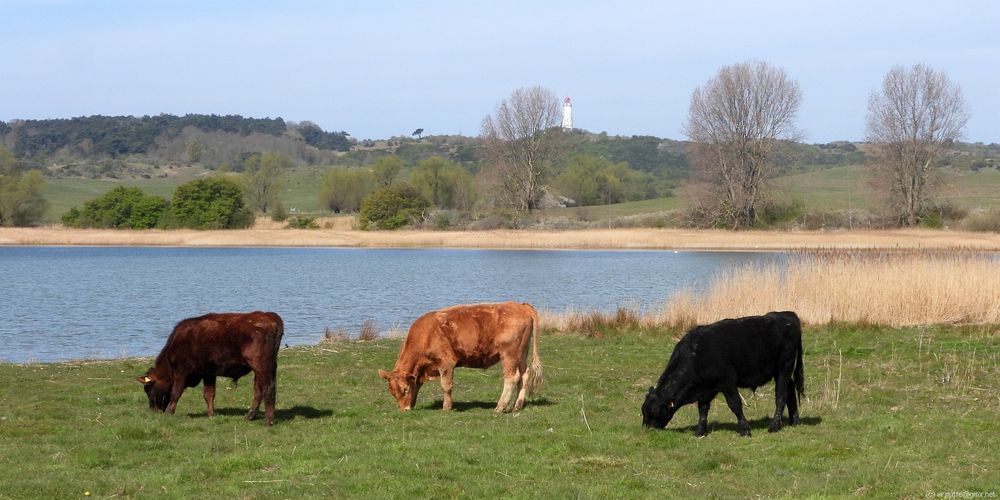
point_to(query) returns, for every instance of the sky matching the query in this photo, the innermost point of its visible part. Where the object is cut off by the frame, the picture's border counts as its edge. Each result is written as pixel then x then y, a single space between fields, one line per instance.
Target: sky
pixel 378 69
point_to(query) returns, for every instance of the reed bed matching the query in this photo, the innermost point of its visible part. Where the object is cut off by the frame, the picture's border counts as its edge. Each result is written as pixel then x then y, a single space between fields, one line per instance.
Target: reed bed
pixel 340 235
pixel 899 288
pixel 891 288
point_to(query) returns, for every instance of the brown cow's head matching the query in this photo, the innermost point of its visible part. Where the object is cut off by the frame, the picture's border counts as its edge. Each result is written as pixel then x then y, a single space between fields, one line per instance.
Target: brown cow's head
pixel 402 386
pixel 158 391
pixel 656 412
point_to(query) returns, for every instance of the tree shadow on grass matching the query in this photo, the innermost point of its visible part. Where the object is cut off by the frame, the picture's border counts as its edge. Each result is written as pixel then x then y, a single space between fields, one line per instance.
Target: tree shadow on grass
pixel 460 406
pixel 758 425
pixel 297 411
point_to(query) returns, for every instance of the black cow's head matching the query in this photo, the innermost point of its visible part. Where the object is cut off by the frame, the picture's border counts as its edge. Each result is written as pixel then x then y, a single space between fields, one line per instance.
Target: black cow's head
pixel 656 412
pixel 158 391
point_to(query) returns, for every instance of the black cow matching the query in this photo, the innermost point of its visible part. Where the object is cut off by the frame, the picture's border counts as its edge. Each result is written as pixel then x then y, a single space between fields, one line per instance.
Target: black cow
pixel 726 355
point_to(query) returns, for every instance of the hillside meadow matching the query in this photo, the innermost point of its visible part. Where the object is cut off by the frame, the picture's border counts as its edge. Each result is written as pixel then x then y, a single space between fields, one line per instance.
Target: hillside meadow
pixel 899 412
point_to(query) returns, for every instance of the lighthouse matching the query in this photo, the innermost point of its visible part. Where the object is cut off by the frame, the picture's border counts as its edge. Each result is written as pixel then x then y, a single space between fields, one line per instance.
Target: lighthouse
pixel 567 121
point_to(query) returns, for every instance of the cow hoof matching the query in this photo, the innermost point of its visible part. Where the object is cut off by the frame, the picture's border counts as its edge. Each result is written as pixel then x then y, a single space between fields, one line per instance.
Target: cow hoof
pixel 745 433
pixel 251 415
pixel 700 432
pixel 773 428
pixel 794 420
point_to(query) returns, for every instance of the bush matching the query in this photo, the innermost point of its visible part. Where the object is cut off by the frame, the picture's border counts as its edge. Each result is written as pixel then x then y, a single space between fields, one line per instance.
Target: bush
pixel 120 208
pixel 984 222
pixel 391 207
pixel 213 203
pixel 780 212
pixel 302 222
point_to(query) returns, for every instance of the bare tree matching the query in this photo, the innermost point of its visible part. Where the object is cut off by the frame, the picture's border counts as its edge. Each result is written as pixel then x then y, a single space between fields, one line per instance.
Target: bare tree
pixel 912 120
pixel 522 140
pixel 736 121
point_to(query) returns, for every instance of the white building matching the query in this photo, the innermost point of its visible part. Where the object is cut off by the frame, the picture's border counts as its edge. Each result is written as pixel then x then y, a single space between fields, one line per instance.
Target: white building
pixel 567 120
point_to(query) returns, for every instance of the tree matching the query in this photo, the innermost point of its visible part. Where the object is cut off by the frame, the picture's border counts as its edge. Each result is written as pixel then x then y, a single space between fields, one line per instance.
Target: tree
pixel 522 140
pixel 912 120
pixel 343 188
pixel 386 169
pixel 418 132
pixel 120 208
pixel 443 183
pixel 391 207
pixel 262 178
pixel 592 180
pixel 21 201
pixel 212 203
pixel 736 121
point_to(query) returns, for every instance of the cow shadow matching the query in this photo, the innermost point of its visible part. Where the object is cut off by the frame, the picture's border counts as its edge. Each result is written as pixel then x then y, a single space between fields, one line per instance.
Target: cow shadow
pixel 460 406
pixel 297 411
pixel 760 424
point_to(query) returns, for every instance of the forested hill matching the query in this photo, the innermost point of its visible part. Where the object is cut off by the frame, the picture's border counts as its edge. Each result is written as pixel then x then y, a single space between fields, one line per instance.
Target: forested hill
pixel 116 136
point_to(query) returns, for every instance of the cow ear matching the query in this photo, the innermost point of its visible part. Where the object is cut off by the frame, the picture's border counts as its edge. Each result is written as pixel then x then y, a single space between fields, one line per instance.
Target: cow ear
pixel 411 379
pixel 651 391
pixel 384 374
pixel 144 379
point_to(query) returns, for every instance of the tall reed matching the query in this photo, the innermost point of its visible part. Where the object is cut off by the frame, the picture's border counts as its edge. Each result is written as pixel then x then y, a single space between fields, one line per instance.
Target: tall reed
pixel 895 288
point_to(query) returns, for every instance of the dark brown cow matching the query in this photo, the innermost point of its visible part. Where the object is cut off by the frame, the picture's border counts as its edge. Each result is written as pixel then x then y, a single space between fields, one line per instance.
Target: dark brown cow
pixel 475 336
pixel 225 344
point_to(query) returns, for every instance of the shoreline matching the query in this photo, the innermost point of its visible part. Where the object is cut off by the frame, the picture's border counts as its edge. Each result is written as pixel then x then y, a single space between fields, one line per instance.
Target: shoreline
pixel 523 239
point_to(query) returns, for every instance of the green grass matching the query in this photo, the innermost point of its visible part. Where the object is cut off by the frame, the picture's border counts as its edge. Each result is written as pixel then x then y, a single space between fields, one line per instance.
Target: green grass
pixel 850 187
pixel 888 413
pixel 835 188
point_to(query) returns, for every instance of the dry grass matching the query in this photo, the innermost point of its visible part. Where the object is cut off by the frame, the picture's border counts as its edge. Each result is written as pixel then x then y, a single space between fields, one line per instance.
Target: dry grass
pixel 879 288
pixel 337 233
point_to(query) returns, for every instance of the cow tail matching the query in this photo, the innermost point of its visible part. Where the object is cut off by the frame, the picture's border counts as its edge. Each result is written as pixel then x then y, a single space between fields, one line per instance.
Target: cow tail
pixel 800 379
pixel 535 378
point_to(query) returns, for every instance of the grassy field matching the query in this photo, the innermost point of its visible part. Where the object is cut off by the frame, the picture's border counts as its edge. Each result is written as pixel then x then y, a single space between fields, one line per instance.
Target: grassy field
pixel 837 188
pixel 889 412
pixel 300 189
pixel 842 188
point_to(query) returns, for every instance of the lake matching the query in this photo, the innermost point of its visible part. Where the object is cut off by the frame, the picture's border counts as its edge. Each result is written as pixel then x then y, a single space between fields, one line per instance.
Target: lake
pixel 64 303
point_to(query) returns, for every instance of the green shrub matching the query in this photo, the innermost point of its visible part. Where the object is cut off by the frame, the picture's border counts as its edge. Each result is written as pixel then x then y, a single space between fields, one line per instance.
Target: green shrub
pixel 780 212
pixel 302 222
pixel 212 203
pixel 120 208
pixel 391 207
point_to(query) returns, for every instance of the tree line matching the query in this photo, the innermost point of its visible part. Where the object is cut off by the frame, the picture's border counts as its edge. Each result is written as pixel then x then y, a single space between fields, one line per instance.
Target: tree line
pixel 115 136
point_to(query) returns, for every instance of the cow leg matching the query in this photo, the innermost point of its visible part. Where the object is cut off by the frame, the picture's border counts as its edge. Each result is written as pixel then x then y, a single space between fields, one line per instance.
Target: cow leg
pixel 736 405
pixel 522 382
pixel 792 402
pixel 780 397
pixel 270 394
pixel 258 395
pixel 209 392
pixel 510 378
pixel 447 382
pixel 175 394
pixel 703 407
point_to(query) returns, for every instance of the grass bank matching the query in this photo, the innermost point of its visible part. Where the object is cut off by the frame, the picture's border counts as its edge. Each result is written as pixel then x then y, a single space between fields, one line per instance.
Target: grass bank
pixel 889 412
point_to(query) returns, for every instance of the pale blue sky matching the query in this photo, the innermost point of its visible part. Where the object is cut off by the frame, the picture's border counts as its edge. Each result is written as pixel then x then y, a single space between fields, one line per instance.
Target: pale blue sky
pixel 380 68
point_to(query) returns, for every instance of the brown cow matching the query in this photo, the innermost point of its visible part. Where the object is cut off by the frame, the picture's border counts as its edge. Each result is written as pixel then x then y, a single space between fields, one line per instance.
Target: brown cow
pixel 225 344
pixel 476 336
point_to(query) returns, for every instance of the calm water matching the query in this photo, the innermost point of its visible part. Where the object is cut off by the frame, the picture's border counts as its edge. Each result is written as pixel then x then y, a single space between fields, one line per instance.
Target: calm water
pixel 70 303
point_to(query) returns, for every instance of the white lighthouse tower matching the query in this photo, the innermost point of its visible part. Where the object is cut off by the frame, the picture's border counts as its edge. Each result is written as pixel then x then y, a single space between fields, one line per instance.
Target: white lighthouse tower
pixel 567 121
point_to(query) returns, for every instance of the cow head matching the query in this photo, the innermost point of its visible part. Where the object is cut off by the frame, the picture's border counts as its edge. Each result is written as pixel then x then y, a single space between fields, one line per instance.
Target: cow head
pixel 157 390
pixel 656 412
pixel 403 387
